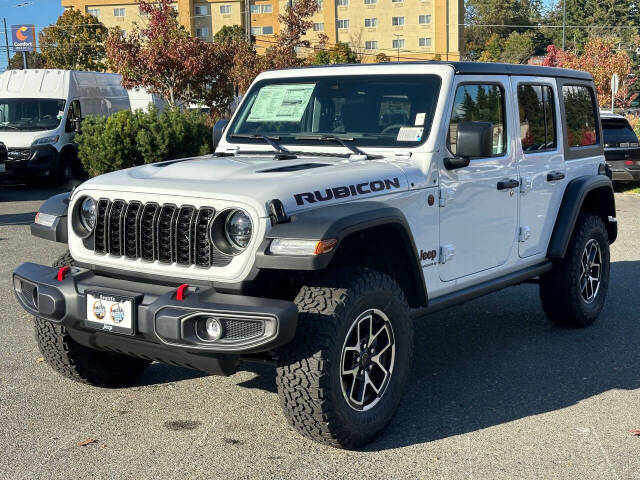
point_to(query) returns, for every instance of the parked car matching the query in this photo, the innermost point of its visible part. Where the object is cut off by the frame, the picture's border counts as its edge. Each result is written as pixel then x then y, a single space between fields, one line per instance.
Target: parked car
pixel 621 147
pixel 40 112
pixel 341 203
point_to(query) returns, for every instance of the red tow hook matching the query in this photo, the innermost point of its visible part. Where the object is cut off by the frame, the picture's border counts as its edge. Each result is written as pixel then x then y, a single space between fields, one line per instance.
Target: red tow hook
pixel 181 290
pixel 62 272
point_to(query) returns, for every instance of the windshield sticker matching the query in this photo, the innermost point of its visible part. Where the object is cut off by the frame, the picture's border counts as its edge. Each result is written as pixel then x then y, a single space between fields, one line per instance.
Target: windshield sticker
pixel 420 119
pixel 281 103
pixel 410 134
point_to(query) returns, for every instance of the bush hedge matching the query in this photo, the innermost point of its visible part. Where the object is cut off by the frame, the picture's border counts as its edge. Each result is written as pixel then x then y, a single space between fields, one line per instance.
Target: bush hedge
pixel 127 139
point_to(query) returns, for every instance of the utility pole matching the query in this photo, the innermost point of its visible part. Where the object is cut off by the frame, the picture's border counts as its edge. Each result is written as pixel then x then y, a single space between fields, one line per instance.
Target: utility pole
pixel 24 60
pixel 564 23
pixel 6 41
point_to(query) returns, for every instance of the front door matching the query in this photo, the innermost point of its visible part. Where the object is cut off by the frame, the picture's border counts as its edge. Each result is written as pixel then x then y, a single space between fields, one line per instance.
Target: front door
pixel 479 203
pixel 540 160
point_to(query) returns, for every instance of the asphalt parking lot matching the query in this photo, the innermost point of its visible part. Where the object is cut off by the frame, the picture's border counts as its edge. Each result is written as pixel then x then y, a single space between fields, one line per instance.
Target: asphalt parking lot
pixel 497 392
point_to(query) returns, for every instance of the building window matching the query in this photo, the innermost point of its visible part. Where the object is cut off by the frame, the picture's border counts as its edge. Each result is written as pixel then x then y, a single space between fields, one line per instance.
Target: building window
pixel 424 42
pixel 371 22
pixel 398 43
pixel 397 1
pixel 343 23
pixel 93 11
pixel 202 32
pixel 342 3
pixel 201 10
pixel 118 12
pixel 397 21
pixel 225 9
pixel 318 27
pixel 424 19
pixel 370 2
pixel 267 30
pixel 261 8
pixel 371 45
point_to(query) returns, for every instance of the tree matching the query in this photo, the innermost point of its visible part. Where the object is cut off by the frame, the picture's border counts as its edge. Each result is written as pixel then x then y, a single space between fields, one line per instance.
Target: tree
pixel 518 47
pixel 601 59
pixel 338 53
pixel 296 22
pixel 34 60
pixel 75 42
pixel 163 58
pixel 230 32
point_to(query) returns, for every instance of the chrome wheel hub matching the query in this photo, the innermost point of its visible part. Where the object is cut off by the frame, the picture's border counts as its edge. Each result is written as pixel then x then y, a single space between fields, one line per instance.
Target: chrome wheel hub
pixel 367 360
pixel 590 271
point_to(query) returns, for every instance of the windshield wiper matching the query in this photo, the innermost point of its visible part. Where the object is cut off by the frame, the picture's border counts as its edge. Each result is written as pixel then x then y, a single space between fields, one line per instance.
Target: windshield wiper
pixel 344 141
pixel 283 153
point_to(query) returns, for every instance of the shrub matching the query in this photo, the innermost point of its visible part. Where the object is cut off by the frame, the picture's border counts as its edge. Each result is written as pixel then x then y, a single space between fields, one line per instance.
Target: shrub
pixel 127 139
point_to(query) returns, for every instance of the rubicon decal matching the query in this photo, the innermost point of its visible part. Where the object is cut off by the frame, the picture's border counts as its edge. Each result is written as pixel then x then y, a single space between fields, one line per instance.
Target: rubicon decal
pixel 347 191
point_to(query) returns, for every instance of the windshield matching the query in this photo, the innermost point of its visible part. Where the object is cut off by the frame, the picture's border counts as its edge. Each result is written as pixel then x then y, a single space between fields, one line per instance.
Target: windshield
pixel 617 132
pixel 369 110
pixel 30 113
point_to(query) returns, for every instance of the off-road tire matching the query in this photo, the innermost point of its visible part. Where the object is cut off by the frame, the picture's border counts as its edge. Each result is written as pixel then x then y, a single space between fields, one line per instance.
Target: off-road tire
pixel 560 290
pixel 79 363
pixel 308 377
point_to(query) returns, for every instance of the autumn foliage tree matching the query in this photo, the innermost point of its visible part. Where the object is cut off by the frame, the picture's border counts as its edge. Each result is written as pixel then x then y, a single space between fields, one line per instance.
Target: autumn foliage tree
pixel 601 59
pixel 165 59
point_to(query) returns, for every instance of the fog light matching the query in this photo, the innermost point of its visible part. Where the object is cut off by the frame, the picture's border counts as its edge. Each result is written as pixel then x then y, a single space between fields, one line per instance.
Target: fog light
pixel 213 328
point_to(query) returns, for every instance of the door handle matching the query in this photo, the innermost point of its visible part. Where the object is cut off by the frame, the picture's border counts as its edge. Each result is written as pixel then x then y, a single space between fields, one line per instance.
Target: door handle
pixel 553 176
pixel 508 184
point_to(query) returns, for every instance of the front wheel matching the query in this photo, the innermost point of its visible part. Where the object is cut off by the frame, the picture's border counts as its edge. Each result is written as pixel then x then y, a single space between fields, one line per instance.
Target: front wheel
pixel 342 378
pixel 574 291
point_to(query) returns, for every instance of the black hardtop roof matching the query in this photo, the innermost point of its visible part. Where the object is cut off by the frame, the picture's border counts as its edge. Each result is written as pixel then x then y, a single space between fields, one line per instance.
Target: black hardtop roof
pixel 481 68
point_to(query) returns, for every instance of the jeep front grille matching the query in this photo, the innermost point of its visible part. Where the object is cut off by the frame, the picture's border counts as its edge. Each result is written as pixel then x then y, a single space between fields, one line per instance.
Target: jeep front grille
pixel 164 233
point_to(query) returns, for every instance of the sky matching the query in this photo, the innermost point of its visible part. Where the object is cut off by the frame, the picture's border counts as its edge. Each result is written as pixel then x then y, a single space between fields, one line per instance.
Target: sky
pixel 37 12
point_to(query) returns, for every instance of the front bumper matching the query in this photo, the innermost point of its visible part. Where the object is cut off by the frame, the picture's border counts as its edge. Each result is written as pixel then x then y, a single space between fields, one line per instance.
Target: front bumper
pixel 164 325
pixel 40 162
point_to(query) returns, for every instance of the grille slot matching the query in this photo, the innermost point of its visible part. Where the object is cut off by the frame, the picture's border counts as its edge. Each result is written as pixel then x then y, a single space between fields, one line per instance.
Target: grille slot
pixel 241 329
pixel 164 233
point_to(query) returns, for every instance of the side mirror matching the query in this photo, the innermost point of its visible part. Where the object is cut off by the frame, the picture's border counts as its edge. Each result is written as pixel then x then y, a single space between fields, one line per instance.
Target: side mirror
pixel 73 125
pixel 218 130
pixel 76 125
pixel 473 140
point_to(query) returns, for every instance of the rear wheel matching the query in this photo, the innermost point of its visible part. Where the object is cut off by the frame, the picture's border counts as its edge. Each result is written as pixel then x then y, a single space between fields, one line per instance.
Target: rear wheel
pixel 574 291
pixel 79 363
pixel 342 378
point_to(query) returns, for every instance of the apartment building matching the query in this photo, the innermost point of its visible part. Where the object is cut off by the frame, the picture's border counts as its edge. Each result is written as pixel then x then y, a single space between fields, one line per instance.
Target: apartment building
pixel 401 29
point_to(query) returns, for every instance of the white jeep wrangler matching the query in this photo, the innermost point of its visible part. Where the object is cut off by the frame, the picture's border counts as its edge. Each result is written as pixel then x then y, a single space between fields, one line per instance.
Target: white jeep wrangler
pixel 341 203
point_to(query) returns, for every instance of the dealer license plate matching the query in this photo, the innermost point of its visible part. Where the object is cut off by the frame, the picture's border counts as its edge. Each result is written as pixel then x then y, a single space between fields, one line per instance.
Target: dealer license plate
pixel 110 313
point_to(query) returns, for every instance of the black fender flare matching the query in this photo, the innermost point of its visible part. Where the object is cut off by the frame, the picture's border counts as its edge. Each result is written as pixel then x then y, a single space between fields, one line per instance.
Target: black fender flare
pixel 572 204
pixel 336 222
pixel 56 206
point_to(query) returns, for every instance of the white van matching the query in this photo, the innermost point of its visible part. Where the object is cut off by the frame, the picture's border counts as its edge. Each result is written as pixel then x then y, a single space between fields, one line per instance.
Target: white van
pixel 141 99
pixel 40 111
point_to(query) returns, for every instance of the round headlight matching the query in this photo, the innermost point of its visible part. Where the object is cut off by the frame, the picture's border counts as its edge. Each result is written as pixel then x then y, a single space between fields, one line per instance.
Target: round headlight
pixel 88 213
pixel 238 229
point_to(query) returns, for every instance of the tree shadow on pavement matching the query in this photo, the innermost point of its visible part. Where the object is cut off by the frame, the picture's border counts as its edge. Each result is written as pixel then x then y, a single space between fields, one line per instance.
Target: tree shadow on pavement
pixel 498 359
pixel 23 193
pixel 17 219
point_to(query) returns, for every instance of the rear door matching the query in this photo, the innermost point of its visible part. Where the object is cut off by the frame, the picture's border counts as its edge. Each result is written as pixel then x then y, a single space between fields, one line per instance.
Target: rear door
pixel 540 160
pixel 478 221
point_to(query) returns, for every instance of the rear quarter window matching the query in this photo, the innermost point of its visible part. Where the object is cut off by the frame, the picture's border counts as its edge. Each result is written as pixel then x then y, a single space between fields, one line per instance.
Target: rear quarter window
pixel 580 115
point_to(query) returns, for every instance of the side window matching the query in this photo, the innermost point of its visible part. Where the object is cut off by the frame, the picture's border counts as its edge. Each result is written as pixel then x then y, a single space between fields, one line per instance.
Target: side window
pixel 537 119
pixel 580 115
pixel 479 103
pixel 74 110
